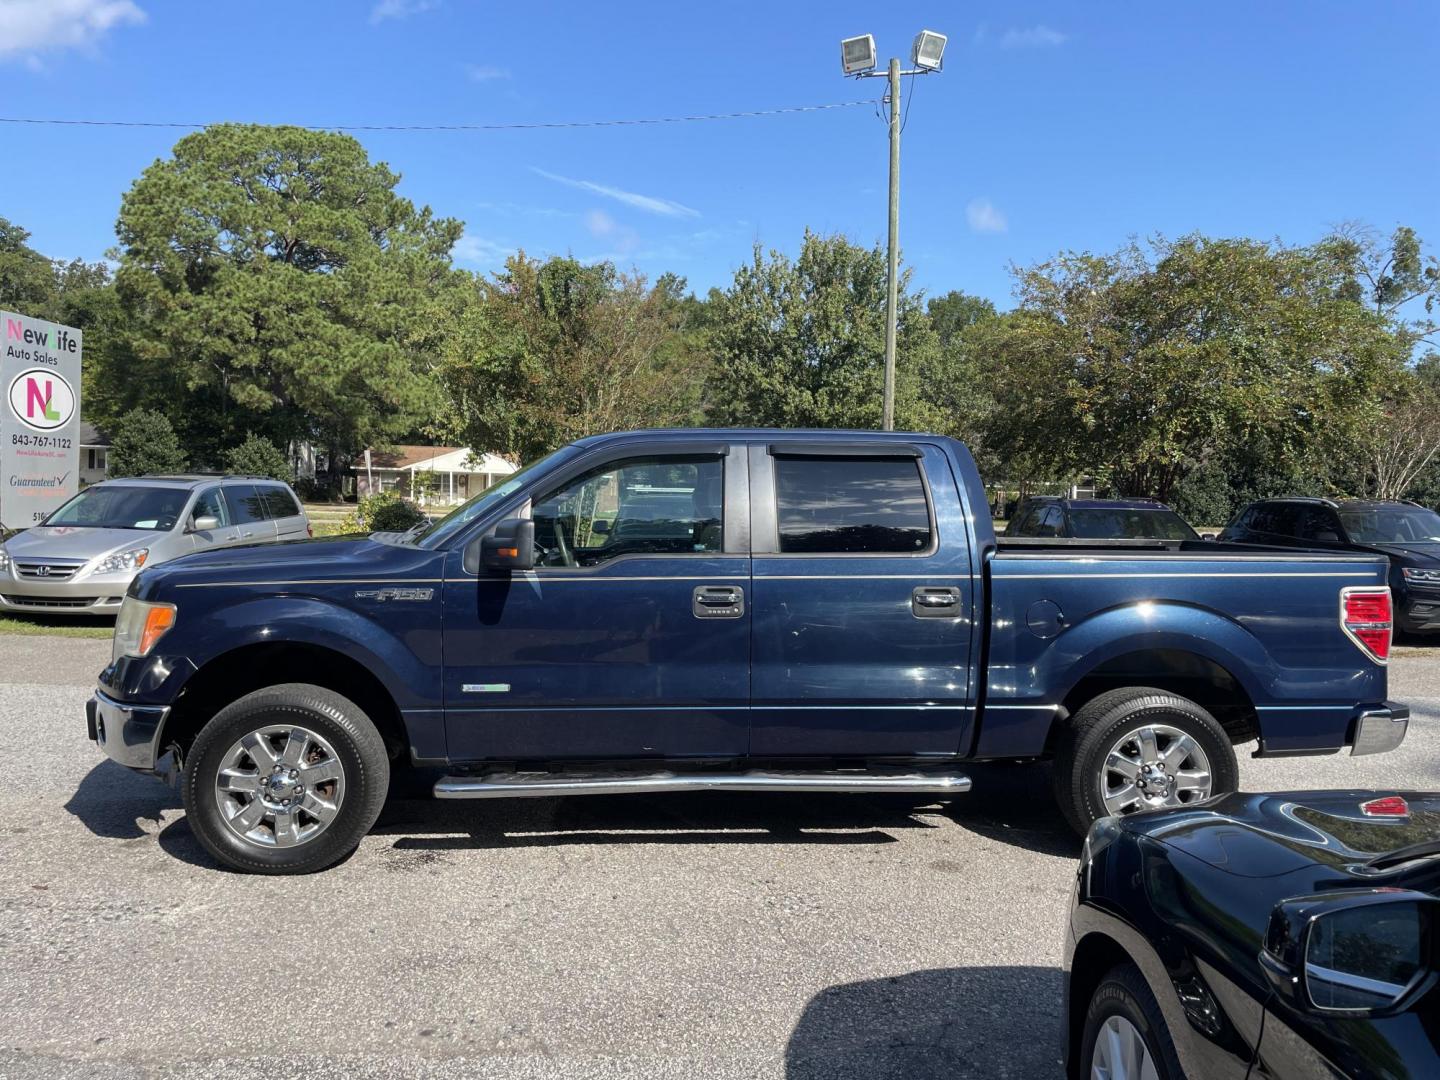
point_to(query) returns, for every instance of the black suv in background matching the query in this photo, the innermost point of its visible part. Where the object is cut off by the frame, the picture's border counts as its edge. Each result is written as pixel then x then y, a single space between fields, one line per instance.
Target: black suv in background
pixel 1098 519
pixel 1407 532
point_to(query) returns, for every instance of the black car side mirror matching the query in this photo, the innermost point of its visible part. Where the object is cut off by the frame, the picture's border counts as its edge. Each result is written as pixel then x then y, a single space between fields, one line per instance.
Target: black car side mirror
pixel 1359 951
pixel 510 547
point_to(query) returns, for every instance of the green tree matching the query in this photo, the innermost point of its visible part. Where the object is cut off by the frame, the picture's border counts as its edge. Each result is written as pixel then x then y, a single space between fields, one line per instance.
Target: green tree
pixel 1143 366
pixel 27 278
pixel 801 342
pixel 144 442
pixel 956 312
pixel 258 456
pixel 276 282
pixel 547 352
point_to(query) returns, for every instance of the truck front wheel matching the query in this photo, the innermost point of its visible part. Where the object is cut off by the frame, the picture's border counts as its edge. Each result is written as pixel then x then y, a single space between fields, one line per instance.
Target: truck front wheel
pixel 285 780
pixel 1140 748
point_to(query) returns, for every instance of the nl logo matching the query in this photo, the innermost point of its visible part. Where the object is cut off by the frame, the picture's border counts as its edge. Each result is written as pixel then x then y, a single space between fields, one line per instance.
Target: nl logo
pixel 41 399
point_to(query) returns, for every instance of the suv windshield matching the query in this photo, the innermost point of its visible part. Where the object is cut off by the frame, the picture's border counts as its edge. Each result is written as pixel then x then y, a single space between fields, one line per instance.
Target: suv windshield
pixel 1392 525
pixel 1130 525
pixel 433 535
pixel 124 506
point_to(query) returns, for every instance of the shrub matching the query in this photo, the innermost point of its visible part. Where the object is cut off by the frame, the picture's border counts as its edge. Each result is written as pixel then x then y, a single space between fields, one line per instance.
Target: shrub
pixel 143 441
pixel 258 456
pixel 385 512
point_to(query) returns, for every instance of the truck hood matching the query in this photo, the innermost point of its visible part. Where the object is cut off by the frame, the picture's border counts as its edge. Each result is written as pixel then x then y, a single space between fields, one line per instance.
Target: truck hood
pixel 1422 553
pixel 76 542
pixel 1268 835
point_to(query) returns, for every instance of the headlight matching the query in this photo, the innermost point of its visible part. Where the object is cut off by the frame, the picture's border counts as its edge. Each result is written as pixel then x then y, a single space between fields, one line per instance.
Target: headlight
pixel 123 560
pixel 1413 574
pixel 139 626
pixel 4 559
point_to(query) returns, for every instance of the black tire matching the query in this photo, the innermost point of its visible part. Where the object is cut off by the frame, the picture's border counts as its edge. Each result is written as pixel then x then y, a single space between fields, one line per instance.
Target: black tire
pixel 1123 992
pixel 1090 733
pixel 356 743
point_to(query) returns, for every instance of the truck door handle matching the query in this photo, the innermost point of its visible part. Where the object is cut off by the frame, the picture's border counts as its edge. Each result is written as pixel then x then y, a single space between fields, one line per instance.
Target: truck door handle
pixel 717 602
pixel 934 601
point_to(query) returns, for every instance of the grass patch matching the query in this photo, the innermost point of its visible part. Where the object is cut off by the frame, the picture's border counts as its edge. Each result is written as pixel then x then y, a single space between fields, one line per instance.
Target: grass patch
pixel 74 627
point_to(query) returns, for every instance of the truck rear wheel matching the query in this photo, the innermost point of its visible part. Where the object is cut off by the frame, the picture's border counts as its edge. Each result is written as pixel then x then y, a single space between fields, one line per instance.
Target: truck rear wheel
pixel 1140 748
pixel 286 780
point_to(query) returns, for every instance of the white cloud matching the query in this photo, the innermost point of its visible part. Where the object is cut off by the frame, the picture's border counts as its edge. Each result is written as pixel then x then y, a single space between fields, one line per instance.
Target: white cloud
pixel 602 226
pixel 486 72
pixel 649 203
pixel 28 27
pixel 480 251
pixel 1031 37
pixel 984 217
pixel 400 9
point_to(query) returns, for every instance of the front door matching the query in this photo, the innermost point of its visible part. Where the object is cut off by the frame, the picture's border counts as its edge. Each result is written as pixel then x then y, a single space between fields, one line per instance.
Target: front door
pixel 211 503
pixel 864 603
pixel 631 637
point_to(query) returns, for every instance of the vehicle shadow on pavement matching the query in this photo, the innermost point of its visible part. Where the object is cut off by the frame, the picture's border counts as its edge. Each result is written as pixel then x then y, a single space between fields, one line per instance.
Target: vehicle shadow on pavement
pixel 1014 804
pixel 111 801
pixel 946 1022
pixel 681 818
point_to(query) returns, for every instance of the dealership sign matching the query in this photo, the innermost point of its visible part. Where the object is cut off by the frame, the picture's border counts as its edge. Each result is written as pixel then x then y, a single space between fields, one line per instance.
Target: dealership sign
pixel 40 418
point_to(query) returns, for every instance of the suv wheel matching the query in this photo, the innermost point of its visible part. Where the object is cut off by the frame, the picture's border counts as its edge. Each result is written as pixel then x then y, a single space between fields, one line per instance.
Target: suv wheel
pixel 1140 749
pixel 285 780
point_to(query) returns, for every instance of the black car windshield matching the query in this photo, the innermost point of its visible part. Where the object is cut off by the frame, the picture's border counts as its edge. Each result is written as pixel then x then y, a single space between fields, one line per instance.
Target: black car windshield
pixel 123 506
pixel 436 534
pixel 1392 525
pixel 1113 523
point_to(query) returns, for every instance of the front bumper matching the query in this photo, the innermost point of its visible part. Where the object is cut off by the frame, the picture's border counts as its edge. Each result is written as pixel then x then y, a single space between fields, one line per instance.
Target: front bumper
pixel 129 734
pixel 92 595
pixel 1421 615
pixel 1378 731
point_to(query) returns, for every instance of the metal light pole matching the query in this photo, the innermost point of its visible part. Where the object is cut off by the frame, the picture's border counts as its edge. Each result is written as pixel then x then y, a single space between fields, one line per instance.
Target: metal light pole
pixel 858 59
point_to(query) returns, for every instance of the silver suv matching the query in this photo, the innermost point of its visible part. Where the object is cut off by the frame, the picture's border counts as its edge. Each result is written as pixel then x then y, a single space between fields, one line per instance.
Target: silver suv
pixel 80 559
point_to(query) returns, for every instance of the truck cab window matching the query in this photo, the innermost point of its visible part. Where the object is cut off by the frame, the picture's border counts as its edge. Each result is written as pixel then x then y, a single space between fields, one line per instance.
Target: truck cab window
pixel 851 506
pixel 650 506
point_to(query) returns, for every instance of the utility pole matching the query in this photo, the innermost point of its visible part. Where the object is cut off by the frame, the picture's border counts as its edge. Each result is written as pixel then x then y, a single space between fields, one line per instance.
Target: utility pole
pixel 892 298
pixel 857 59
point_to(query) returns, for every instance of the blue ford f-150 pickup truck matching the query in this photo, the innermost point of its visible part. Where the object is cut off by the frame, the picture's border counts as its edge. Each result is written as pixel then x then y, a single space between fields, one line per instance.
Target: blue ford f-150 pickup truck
pixel 752 610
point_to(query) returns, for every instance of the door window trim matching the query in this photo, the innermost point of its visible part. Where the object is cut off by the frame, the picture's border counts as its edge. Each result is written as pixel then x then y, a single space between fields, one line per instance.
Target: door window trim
pixel 765 508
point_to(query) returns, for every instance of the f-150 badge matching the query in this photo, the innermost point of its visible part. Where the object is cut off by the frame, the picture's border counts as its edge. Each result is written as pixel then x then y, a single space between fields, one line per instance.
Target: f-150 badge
pixel 389 593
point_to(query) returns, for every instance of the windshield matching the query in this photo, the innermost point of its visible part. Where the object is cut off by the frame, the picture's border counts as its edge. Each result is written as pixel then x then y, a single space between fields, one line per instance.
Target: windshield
pixel 462 515
pixel 1392 525
pixel 123 506
pixel 1117 524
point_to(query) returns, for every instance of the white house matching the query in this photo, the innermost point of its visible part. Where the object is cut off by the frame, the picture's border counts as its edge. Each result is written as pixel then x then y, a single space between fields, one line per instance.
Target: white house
pixel 431 475
pixel 94 454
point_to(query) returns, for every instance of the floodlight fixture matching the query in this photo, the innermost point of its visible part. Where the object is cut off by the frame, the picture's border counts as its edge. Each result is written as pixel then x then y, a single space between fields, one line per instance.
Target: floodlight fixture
pixel 928 52
pixel 857 54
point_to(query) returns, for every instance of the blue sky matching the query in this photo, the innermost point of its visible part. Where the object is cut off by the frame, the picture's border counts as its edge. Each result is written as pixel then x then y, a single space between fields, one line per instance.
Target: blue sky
pixel 1054 126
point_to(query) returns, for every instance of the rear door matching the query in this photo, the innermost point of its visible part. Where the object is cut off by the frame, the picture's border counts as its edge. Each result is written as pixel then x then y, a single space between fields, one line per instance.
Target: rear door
pixel 250 512
pixel 863 601
pixel 284 509
pixel 631 637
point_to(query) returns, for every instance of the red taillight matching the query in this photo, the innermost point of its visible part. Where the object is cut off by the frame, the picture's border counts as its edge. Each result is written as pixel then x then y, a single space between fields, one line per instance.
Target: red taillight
pixel 1365 616
pixel 1389 806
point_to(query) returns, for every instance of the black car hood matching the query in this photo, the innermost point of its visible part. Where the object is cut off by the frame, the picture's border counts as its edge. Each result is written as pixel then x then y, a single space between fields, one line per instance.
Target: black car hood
pixel 1268 835
pixel 1415 552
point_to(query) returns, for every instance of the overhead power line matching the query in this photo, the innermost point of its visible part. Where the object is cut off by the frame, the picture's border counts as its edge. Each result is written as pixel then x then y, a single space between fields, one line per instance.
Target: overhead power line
pixel 532 126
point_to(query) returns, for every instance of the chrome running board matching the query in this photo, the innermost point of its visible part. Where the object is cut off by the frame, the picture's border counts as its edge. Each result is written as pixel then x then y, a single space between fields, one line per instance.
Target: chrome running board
pixel 511 785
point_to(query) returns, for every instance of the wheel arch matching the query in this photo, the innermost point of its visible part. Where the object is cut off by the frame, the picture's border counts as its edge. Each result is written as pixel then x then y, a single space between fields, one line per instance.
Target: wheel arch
pixel 247 668
pixel 1096 955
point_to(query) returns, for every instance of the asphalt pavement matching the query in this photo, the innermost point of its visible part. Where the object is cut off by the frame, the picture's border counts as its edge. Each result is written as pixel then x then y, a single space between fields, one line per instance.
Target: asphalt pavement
pixel 707 935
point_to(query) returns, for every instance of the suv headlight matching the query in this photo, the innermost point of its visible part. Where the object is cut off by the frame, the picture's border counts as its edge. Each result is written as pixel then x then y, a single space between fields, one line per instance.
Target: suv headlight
pixel 1412 574
pixel 133 559
pixel 139 626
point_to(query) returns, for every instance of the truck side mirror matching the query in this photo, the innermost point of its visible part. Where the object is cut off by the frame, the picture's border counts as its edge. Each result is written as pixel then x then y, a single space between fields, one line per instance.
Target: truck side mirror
pixel 510 547
pixel 204 523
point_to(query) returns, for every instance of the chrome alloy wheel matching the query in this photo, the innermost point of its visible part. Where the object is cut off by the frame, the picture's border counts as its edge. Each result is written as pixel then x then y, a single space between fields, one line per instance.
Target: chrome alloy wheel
pixel 1153 766
pixel 280 786
pixel 1121 1053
